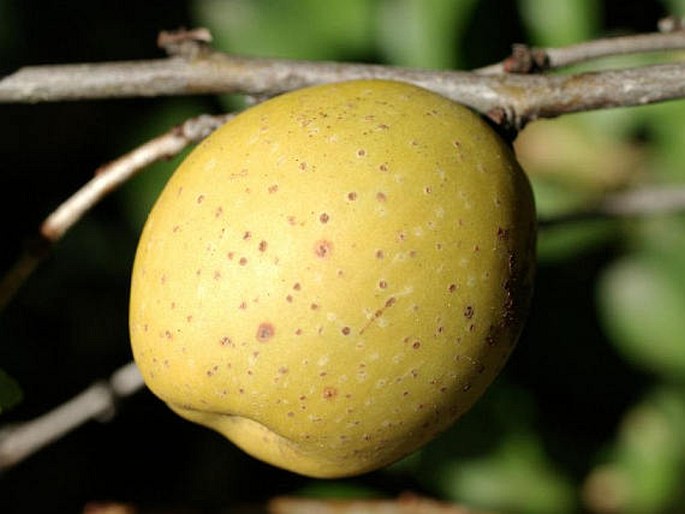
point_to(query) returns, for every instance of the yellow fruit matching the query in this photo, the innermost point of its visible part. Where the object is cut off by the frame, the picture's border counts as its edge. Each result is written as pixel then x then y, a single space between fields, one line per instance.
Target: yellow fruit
pixel 335 276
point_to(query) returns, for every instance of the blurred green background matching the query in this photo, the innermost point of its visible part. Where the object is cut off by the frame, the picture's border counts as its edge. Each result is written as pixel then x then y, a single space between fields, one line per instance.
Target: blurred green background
pixel 589 415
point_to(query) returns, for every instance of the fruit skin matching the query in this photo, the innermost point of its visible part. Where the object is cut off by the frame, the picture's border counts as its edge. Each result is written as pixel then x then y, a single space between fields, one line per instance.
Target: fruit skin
pixel 335 276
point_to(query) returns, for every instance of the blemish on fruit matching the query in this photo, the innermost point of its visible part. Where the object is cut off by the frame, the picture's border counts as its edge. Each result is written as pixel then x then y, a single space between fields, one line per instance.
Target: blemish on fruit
pixel 381 197
pixel 416 345
pixel 200 198
pixel 346 331
pixel 265 332
pixel 242 261
pixel 323 248
pixel 329 393
pixel 468 312
pixel 247 235
pixel 218 212
pixel 380 254
pixel 361 152
pixel 273 189
pixel 352 196
pixel 382 284
pixel 262 246
pixel 324 218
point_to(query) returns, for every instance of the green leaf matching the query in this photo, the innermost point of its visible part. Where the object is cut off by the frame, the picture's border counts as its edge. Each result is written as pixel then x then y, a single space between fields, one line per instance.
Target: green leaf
pixel 518 477
pixel 309 29
pixel 644 472
pixel 561 22
pixel 10 392
pixel 421 33
pixel 641 307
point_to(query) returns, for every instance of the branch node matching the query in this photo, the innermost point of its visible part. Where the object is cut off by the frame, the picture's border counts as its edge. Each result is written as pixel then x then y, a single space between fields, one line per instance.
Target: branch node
pixel 505 121
pixel 525 59
pixel 188 44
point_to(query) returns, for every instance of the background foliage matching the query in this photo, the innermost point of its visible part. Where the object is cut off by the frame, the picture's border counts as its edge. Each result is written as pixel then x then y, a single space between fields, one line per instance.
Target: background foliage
pixel 588 416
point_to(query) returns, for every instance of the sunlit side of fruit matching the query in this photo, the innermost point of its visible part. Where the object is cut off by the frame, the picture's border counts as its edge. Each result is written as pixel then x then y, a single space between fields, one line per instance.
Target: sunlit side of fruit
pixel 335 276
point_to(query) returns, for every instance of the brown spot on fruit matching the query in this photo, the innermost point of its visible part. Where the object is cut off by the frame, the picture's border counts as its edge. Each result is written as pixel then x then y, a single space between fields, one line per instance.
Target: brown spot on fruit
pixel 468 312
pixel 200 198
pixel 262 246
pixel 265 332
pixel 323 248
pixel 329 393
pixel 346 331
pixel 324 218
pixel 352 196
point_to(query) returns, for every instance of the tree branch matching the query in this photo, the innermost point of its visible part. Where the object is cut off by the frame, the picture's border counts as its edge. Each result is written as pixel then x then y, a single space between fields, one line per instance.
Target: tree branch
pixel 522 97
pixel 642 201
pixel 17 442
pixel 405 504
pixel 108 178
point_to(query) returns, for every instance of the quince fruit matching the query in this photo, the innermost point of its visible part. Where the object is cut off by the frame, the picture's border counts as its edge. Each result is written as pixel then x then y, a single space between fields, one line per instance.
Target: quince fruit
pixel 336 275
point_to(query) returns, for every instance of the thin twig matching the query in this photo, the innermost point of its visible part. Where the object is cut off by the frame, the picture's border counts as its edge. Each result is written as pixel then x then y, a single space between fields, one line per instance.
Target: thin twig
pixel 17 442
pixel 108 178
pixel 523 97
pixel 406 504
pixel 638 202
pixel 525 59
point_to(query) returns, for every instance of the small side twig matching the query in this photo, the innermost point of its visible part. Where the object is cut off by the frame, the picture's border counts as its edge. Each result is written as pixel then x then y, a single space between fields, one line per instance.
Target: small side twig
pixel 526 59
pixel 19 441
pixel 108 178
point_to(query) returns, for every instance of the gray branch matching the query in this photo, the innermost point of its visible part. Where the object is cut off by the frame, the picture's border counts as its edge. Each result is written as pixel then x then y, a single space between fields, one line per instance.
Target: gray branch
pixel 522 97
